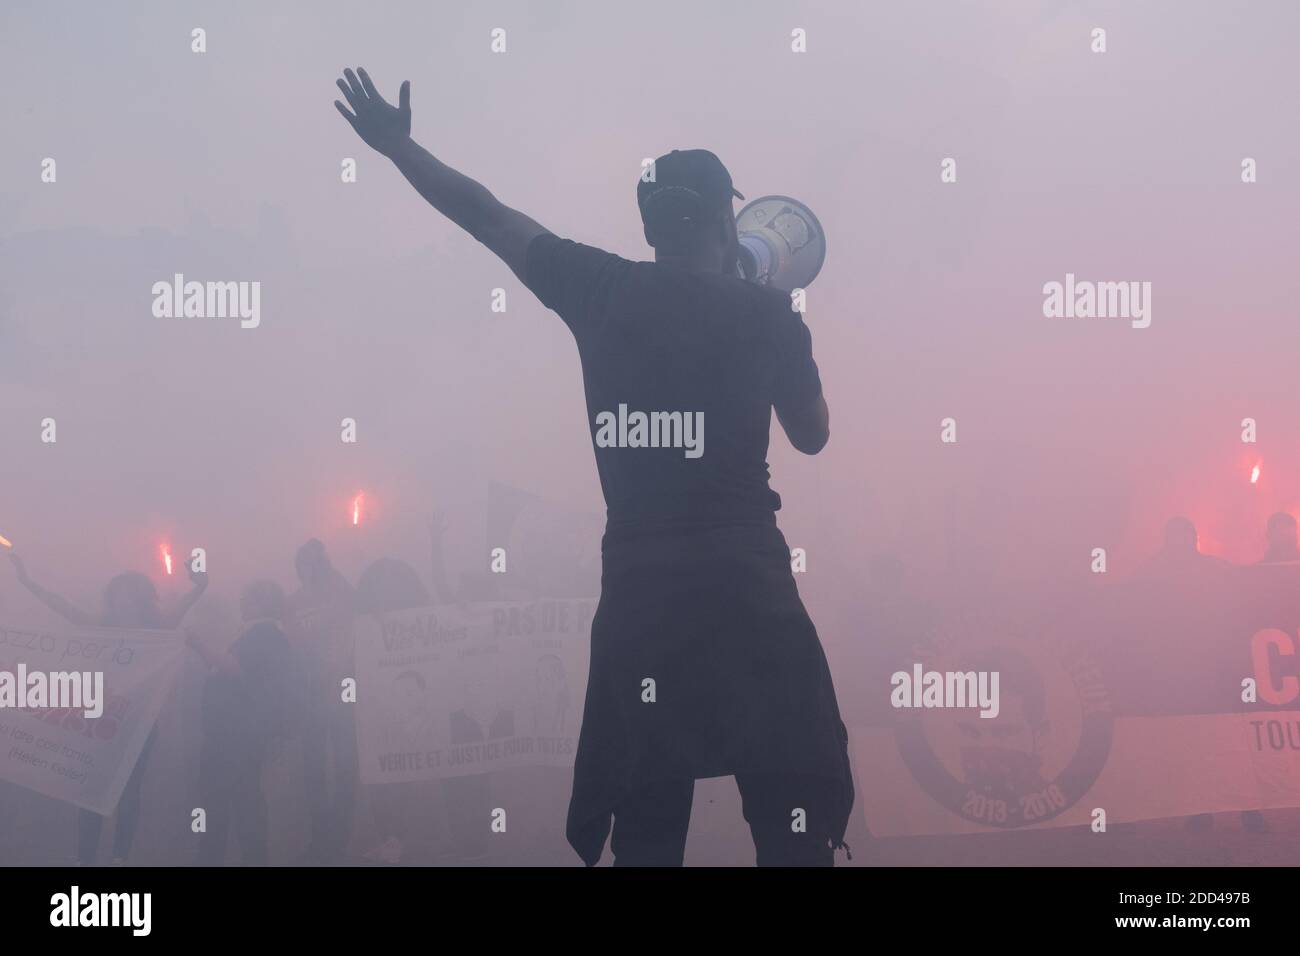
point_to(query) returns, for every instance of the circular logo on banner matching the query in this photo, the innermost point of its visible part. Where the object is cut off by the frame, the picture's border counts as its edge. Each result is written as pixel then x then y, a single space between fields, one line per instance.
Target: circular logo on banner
pixel 1040 749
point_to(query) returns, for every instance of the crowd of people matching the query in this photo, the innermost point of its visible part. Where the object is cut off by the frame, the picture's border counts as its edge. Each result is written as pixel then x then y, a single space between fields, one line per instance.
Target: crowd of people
pixel 273 683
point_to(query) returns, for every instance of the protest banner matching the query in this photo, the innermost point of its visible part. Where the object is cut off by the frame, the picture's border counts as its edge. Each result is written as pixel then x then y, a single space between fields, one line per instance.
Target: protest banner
pixel 59 751
pixel 1177 695
pixel 454 690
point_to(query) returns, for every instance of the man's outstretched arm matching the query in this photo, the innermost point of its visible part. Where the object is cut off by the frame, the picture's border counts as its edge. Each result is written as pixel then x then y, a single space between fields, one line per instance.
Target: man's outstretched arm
pixel 387 129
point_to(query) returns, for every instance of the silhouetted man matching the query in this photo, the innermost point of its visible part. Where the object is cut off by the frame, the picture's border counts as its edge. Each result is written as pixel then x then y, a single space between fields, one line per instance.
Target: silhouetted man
pixel 322 609
pixel 1174 608
pixel 1281 532
pixel 1182 543
pixel 704 661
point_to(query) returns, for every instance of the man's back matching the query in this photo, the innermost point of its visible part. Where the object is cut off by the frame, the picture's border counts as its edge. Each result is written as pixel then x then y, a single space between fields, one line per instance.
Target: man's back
pixel 681 371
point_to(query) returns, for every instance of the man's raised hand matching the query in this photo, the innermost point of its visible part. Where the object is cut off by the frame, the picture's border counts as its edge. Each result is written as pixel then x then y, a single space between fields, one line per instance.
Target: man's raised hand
pixel 383 127
pixel 387 129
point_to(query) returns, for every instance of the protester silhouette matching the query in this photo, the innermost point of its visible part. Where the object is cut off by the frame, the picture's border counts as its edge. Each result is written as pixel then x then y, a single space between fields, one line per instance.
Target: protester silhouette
pixel 322 610
pixel 130 601
pixel 388 585
pixel 1280 535
pixel 243 719
pixel 704 661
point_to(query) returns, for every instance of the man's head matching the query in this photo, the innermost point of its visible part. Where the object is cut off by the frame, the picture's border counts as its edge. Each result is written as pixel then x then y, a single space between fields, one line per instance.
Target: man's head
pixel 685 202
pixel 130 600
pixel 411 688
pixel 549 675
pixel 312 563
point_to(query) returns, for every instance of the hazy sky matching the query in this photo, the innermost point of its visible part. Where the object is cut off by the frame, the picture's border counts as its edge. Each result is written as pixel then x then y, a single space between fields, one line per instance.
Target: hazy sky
pixel 1072 433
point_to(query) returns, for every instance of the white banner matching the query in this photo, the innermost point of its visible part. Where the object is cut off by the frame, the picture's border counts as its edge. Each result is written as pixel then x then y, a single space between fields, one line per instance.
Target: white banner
pixel 59 751
pixel 1156 767
pixel 454 690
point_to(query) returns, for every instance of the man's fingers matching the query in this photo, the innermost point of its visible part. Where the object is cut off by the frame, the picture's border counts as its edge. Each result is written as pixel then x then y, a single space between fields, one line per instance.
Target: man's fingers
pixel 369 86
pixel 353 100
pixel 346 115
pixel 404 96
pixel 357 89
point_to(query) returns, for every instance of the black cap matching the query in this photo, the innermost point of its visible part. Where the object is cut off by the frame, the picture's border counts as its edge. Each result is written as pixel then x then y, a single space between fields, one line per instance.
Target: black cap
pixel 689 185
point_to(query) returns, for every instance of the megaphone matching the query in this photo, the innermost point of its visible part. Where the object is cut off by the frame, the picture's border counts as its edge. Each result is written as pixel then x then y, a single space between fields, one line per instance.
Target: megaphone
pixel 781 243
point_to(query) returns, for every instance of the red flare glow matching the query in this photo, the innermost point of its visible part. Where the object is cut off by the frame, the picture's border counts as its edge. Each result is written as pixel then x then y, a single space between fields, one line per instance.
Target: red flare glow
pixel 1254 475
pixel 356 510
pixel 167 558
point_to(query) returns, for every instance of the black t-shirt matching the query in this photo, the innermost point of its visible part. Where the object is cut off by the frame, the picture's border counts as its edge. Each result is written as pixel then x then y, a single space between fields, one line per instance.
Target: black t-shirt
pixel 681 371
pixel 248 708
